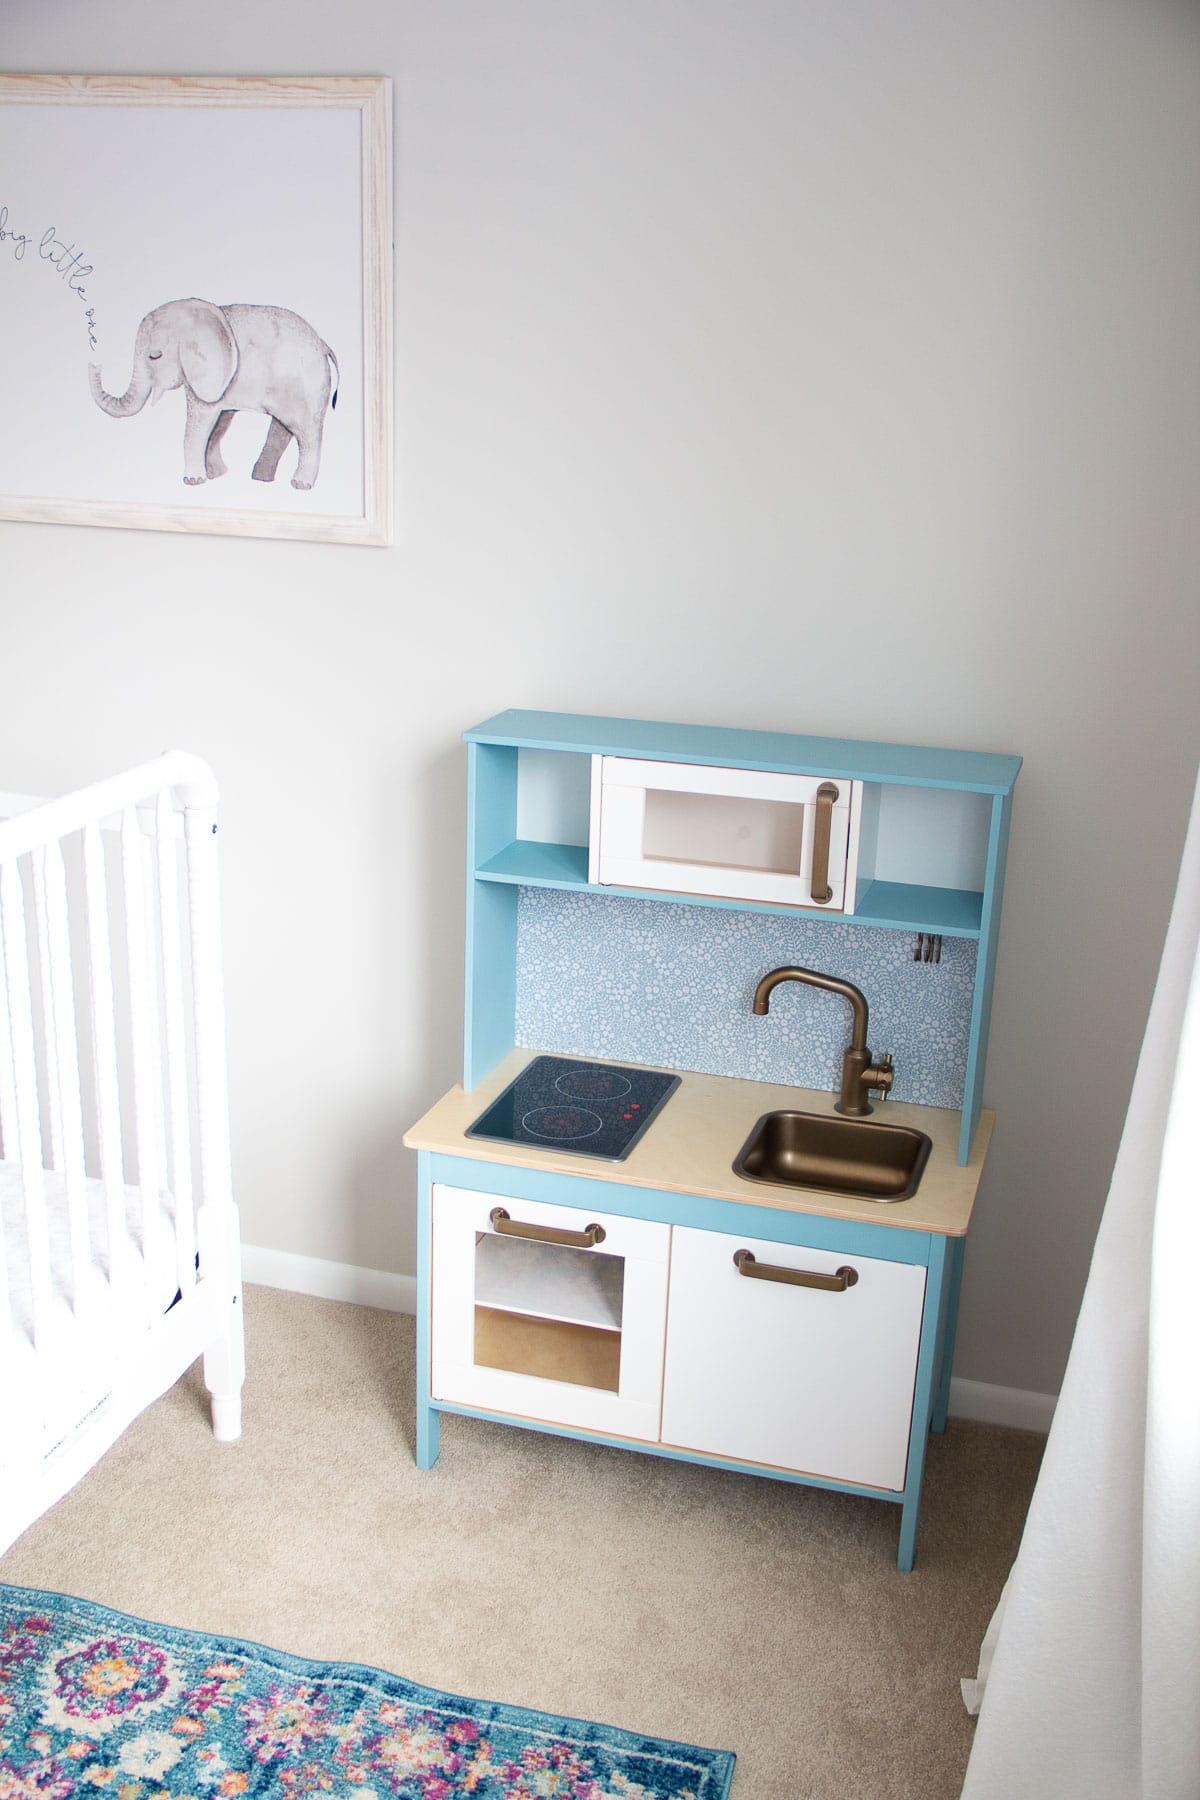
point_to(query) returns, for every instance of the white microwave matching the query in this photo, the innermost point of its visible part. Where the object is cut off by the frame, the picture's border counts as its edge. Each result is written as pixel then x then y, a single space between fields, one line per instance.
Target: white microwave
pixel 738 834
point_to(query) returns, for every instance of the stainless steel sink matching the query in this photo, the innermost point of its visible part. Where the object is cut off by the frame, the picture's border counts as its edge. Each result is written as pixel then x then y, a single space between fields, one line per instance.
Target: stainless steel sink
pixel 871 1160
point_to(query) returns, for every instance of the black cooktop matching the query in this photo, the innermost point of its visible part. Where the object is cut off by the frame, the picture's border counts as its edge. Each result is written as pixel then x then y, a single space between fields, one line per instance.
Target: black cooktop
pixel 585 1108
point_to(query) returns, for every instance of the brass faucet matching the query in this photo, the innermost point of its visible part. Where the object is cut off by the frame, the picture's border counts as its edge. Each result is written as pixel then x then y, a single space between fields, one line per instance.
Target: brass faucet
pixel 859 1075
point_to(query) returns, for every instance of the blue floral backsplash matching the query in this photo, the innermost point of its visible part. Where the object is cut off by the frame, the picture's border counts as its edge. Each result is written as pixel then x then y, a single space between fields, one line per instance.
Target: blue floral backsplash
pixel 648 981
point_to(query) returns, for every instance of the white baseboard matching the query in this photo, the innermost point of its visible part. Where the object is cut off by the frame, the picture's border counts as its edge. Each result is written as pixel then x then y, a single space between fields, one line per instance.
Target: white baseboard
pixel 978 1400
pixel 991 1405
pixel 329 1280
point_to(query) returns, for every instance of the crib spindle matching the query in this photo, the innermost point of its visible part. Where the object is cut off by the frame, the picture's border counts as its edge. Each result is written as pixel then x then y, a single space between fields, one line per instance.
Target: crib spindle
pixel 212 1078
pixel 28 1133
pixel 104 1051
pixel 63 1068
pixel 158 1118
pixel 53 1115
pixel 8 1109
pixel 149 1185
pixel 8 1082
pixel 180 1155
pixel 224 1360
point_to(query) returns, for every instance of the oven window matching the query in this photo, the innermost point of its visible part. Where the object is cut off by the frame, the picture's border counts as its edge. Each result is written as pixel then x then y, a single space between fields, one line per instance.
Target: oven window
pixel 548 1310
pixel 724 831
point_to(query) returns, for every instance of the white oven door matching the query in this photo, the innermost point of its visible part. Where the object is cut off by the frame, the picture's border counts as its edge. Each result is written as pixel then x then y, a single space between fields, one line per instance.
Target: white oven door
pixel 549 1312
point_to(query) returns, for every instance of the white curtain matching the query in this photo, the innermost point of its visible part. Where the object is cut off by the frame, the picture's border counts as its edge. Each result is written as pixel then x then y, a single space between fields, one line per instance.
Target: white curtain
pixel 1093 1688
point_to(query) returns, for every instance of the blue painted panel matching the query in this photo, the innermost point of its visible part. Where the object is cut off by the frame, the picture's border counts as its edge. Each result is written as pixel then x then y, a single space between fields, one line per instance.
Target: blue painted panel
pixel 427 1417
pixel 490 990
pixel 941 1265
pixel 982 1010
pixel 508 1181
pixel 949 1327
pixel 976 771
pixel 491 915
pixel 669 985
pixel 491 800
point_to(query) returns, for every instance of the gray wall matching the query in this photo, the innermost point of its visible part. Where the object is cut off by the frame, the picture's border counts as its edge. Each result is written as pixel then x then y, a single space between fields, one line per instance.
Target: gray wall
pixel 828 368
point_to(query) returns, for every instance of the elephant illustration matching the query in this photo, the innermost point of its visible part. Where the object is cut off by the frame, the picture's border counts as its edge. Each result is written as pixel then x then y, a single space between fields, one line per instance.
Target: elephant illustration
pixel 231 359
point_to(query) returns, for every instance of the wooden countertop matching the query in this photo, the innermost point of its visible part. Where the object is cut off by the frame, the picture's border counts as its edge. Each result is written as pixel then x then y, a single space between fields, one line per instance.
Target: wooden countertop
pixel 689 1148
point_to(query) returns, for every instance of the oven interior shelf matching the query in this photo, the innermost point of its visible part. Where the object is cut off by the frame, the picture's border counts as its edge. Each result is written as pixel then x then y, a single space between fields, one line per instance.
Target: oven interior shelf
pixel 549 1281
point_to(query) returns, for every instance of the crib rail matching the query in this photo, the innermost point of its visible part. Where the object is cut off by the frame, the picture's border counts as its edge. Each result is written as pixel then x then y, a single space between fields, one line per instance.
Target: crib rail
pixel 112 1048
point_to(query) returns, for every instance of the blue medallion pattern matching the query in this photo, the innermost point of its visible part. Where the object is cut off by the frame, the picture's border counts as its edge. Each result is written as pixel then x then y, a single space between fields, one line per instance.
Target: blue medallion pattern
pixel 93 1702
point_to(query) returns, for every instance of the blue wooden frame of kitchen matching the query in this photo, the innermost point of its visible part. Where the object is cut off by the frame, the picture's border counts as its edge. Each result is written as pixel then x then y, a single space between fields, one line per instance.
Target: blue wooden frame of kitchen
pixel 500 864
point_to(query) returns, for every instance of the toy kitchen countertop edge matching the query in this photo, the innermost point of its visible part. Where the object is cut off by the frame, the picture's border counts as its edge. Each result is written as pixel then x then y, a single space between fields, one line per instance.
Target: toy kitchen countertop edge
pixel 690 1145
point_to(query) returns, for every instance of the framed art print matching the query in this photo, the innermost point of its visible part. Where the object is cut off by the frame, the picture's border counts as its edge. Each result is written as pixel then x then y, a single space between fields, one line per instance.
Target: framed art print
pixel 195 278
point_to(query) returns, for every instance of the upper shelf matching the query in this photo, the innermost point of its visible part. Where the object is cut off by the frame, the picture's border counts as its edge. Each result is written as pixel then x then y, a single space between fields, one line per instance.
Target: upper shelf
pixel 903 906
pixel 971 771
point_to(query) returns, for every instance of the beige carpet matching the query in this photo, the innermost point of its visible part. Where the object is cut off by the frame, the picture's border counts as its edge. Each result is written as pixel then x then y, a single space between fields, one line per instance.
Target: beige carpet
pixel 666 1598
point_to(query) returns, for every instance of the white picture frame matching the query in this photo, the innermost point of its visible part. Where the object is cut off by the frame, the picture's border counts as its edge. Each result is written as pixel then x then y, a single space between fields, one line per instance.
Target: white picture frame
pixel 239 223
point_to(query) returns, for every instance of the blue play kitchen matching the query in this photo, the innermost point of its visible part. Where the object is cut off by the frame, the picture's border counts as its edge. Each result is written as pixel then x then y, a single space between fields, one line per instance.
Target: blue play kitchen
pixel 705 1188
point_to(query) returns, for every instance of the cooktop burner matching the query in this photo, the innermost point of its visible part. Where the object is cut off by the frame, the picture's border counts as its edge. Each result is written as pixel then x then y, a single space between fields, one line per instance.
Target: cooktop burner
pixel 561 1122
pixel 593 1083
pixel 587 1108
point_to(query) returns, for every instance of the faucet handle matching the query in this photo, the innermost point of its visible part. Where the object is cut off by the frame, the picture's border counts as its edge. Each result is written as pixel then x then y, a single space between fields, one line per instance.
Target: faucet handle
pixel 879 1078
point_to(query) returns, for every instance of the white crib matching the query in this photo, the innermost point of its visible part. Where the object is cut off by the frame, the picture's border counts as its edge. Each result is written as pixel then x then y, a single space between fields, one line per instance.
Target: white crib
pixel 119 1253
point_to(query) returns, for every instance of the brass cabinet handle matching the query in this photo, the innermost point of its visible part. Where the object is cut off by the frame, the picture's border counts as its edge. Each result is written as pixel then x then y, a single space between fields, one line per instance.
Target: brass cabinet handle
pixel 746 1263
pixel 827 795
pixel 546 1234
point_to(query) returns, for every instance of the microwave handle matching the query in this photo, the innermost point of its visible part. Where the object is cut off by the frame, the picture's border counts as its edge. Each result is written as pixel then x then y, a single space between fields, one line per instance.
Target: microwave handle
pixel 827 795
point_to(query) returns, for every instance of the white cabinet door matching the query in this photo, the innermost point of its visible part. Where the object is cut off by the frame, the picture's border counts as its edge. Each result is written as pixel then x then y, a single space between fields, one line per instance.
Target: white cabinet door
pixel 743 834
pixel 814 1380
pixel 568 1332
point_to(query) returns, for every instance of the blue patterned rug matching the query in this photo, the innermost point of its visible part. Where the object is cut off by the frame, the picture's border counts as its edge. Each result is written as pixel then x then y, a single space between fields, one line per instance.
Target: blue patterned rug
pixel 95 1705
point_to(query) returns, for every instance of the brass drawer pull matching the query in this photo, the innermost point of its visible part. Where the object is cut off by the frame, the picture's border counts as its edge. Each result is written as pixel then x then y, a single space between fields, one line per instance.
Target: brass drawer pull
pixel 546 1234
pixel 746 1263
pixel 827 795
